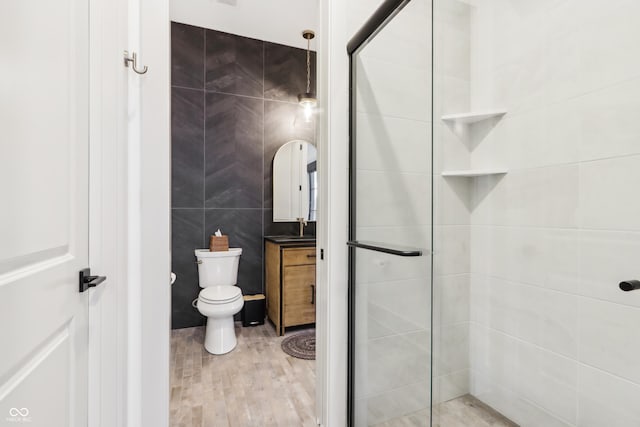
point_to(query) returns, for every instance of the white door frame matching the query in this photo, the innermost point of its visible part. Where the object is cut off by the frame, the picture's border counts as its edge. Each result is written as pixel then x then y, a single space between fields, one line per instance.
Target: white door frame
pixel 130 316
pixel 107 215
pixel 129 193
pixel 155 213
pixel 333 156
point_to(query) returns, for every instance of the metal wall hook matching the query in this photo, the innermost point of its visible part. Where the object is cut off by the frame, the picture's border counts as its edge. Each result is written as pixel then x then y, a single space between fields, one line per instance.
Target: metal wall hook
pixel 134 62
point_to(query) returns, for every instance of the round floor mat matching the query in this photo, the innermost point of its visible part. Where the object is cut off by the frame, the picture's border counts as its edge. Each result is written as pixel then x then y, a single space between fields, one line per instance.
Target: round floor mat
pixel 301 345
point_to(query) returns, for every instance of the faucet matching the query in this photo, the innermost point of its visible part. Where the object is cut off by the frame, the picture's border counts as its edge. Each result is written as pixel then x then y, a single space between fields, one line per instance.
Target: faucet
pixel 303 224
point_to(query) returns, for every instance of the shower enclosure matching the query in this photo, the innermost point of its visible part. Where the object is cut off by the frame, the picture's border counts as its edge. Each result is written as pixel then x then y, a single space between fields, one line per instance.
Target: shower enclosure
pixel 495 214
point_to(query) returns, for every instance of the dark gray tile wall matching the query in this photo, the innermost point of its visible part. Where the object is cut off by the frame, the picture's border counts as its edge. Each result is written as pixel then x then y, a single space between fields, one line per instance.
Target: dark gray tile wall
pixel 234 103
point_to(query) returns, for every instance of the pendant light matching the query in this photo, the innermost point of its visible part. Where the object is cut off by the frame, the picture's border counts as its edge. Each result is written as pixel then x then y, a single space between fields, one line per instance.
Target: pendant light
pixel 307 100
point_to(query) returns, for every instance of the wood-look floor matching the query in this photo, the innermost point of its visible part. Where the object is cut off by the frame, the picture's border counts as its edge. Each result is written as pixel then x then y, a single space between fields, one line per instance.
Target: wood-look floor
pixel 258 385
pixel 255 385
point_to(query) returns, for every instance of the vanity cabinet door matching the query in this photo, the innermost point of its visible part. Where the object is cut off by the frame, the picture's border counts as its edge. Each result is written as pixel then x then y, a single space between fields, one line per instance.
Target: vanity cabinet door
pixel 299 285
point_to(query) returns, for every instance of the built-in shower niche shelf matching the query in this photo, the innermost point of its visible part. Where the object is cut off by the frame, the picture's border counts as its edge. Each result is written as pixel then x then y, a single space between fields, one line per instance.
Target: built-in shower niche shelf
pixel 474 173
pixel 473 116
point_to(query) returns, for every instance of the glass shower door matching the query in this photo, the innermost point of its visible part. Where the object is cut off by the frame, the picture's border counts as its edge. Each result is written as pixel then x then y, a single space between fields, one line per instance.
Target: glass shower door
pixel 391 219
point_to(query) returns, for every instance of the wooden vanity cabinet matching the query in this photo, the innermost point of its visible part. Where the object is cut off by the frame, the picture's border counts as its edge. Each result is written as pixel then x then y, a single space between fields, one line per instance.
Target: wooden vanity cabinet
pixel 290 275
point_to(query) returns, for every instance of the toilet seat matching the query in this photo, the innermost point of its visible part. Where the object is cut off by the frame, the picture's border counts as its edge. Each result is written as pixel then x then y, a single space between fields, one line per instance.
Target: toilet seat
pixel 220 294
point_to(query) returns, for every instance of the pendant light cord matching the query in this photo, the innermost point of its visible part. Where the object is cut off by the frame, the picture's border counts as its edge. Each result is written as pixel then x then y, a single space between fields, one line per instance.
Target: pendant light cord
pixel 308 66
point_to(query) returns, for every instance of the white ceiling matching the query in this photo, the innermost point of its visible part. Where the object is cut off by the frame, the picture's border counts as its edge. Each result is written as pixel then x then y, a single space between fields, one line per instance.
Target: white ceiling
pixel 277 21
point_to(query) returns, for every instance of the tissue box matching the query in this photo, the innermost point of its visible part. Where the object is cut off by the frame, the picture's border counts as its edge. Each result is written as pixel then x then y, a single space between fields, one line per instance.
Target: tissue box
pixel 218 243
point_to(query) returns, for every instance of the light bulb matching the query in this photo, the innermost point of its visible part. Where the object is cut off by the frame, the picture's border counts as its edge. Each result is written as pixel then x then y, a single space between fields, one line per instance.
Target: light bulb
pixel 308 112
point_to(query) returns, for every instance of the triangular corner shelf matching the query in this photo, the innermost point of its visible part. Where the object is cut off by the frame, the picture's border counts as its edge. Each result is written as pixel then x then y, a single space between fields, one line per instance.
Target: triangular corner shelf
pixel 473 173
pixel 473 116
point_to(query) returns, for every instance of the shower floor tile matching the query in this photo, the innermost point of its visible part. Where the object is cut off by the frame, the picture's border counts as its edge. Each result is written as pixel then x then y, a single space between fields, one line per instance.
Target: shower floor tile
pixel 464 411
pixel 467 411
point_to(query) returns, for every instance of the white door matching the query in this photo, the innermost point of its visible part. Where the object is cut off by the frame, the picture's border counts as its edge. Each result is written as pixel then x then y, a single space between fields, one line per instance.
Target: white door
pixel 43 212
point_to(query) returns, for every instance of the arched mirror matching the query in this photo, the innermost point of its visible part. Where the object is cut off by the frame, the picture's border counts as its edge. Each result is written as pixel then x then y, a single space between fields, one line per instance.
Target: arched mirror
pixel 295 179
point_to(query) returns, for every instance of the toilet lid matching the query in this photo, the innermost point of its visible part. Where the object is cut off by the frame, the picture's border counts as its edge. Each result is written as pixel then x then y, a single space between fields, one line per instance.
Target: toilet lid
pixel 220 294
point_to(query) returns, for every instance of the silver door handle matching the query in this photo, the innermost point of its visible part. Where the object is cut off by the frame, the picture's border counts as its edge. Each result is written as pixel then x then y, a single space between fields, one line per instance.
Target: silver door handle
pixel 133 59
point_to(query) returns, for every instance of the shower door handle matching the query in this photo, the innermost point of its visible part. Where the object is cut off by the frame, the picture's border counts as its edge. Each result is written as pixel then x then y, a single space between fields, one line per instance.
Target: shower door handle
pixel 386 248
pixel 630 285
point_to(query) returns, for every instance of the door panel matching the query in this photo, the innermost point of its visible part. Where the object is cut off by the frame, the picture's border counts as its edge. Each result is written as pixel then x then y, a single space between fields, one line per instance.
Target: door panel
pixel 299 295
pixel 43 219
pixel 391 223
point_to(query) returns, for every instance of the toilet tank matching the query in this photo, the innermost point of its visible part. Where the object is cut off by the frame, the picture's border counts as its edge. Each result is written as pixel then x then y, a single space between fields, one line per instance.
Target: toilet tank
pixel 218 268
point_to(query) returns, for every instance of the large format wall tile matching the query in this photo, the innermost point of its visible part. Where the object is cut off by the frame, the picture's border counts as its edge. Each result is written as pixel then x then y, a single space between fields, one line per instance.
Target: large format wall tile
pixel 609 338
pixel 379 91
pixel 393 144
pixel 606 400
pixel 285 72
pixel 396 402
pixel 547 258
pixel 219 171
pixel 187 234
pixel 541 197
pixel 609 194
pixel 515 378
pixel 546 318
pixel 187 56
pixel 187 148
pixel 234 64
pixel 609 115
pixel 607 258
pixel 401 198
pixel 396 361
pixel 233 152
pixel 244 228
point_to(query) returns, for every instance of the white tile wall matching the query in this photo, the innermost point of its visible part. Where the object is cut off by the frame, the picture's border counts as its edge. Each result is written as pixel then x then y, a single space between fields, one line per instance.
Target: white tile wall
pixel 552 338
pixel 540 197
pixel 452 202
pixel 545 257
pixel 451 296
pixel 606 258
pixel 609 193
pixel 394 144
pixel 451 246
pixel 536 315
pixel 606 400
pixel 609 339
pixel 390 198
pixel 381 91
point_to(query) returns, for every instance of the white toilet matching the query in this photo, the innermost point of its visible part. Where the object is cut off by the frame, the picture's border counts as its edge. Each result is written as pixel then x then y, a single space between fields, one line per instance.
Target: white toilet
pixel 219 299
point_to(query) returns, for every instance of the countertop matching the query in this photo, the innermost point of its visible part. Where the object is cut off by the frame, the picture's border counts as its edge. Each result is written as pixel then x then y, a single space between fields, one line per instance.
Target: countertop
pixel 291 239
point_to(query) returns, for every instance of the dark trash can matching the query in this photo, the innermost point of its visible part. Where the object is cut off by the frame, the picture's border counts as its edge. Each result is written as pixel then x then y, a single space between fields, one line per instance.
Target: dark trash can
pixel 253 312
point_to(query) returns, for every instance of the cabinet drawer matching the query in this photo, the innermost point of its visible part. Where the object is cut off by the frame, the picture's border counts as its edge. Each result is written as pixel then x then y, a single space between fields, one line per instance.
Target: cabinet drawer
pixel 299 256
